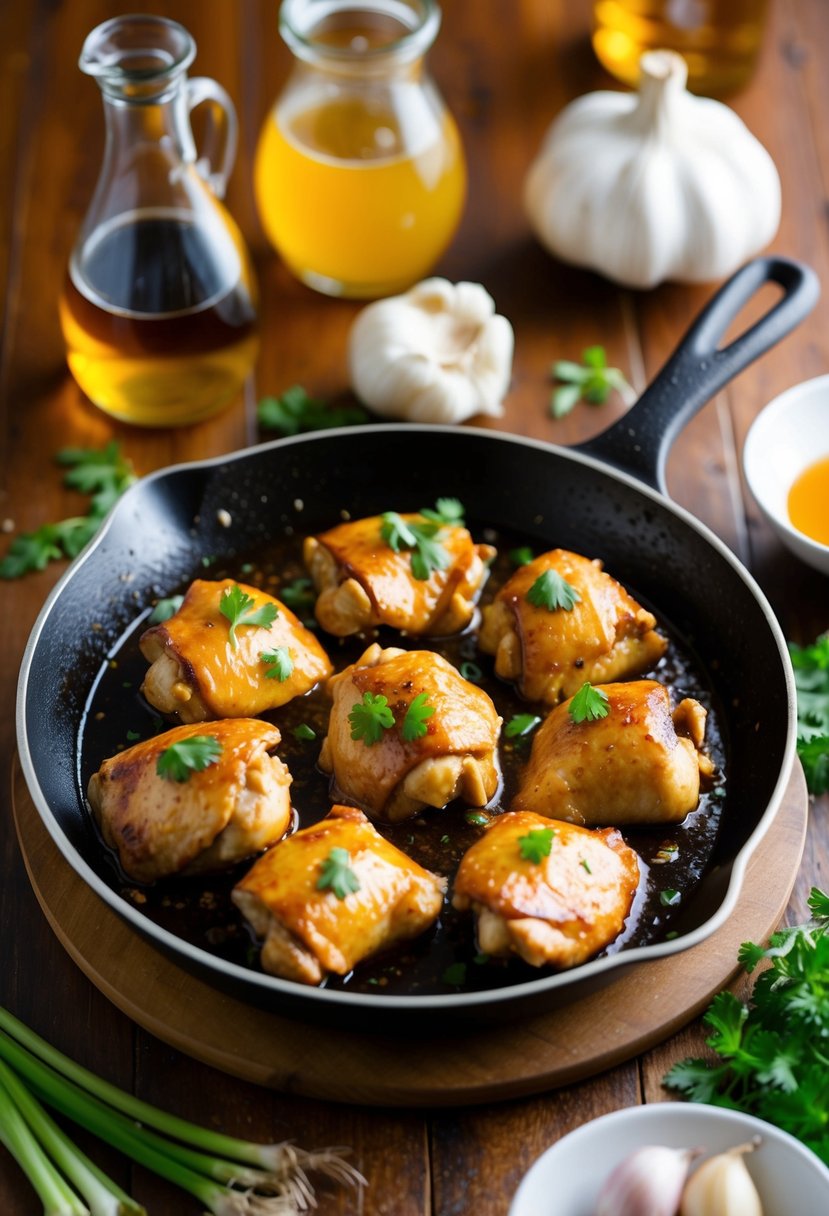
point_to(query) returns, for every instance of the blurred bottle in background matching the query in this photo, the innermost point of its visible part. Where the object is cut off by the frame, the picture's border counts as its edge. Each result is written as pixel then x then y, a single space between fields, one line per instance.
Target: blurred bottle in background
pixel 719 39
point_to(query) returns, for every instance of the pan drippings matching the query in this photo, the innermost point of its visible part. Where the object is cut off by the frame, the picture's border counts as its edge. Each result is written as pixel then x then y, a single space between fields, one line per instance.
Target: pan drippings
pixel 445 959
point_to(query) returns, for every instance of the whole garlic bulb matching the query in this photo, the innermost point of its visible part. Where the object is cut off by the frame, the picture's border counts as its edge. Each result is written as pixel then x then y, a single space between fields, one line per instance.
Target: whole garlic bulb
pixel 438 353
pixel 655 185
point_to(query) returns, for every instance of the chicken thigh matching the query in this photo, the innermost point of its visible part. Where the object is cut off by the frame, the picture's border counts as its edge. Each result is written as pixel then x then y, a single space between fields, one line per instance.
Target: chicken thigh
pixel 560 620
pixel 640 764
pixel 547 891
pixel 363 581
pixel 333 894
pixel 193 799
pixel 203 666
pixel 393 770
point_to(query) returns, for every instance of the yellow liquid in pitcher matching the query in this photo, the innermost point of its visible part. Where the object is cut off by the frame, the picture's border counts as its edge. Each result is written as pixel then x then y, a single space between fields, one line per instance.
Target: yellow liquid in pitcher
pixel 719 39
pixel 351 212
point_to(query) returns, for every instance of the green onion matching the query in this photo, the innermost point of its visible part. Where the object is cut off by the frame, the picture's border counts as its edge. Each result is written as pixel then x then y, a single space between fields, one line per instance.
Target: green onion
pixel 57 1196
pixel 208 1164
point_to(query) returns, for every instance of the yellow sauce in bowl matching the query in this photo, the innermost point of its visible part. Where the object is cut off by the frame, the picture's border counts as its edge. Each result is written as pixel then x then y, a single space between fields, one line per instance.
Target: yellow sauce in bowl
pixel 808 501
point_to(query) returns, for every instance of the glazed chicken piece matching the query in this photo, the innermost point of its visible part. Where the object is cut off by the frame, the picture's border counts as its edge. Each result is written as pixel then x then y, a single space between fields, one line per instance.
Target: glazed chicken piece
pixel 641 764
pixel 198 673
pixel 558 909
pixel 393 778
pixel 363 582
pixel 333 894
pixel 192 820
pixel 550 651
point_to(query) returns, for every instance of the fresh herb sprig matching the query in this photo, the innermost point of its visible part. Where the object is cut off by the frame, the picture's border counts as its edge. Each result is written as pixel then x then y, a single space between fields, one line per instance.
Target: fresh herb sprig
pixel 417 715
pixel 591 380
pixel 192 755
pixel 337 875
pixel 240 609
pixel 772 1051
pixel 278 663
pixel 551 591
pixel 811 676
pixel 104 475
pixel 423 538
pixel 295 411
pixel 369 717
pixel 589 704
pixel 536 845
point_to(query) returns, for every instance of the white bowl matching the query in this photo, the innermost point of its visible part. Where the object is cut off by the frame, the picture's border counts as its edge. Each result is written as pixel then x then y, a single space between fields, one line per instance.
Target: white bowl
pixel 788 435
pixel 567 1179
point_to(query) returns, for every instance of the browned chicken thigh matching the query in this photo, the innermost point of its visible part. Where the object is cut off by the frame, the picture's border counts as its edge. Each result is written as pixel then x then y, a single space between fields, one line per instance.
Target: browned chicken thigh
pixel 164 814
pixel 640 764
pixel 547 891
pixel 204 669
pixel 364 582
pixel 333 894
pixel 560 620
pixel 397 767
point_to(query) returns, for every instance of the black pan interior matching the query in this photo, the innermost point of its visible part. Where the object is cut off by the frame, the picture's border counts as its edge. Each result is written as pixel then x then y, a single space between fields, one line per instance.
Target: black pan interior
pixel 166 525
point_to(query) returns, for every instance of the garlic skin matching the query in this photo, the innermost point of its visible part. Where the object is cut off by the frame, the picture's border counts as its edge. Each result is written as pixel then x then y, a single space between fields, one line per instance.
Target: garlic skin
pixel 722 1186
pixel 438 353
pixel 653 186
pixel 647 1183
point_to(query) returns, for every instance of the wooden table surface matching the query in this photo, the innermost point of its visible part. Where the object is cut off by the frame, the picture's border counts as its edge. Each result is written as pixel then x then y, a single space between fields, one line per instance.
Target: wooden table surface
pixel 506 67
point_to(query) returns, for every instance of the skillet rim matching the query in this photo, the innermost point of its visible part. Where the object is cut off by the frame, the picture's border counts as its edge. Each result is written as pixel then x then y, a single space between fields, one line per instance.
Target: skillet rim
pixel 203 961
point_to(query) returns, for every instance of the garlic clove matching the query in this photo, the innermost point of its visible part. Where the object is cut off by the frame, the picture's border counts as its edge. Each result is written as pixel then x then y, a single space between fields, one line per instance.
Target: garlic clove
pixel 647 1183
pixel 438 353
pixel 722 1186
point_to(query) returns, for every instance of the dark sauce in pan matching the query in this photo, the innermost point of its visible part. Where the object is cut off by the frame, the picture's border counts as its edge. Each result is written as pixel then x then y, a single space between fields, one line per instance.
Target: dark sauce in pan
pixel 445 959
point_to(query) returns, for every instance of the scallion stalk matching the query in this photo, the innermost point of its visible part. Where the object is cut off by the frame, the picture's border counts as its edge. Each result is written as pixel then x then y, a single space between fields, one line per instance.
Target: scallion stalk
pixel 55 1193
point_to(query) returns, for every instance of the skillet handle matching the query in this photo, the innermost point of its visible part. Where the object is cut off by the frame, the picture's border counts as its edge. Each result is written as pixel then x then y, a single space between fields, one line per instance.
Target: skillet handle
pixel 640 441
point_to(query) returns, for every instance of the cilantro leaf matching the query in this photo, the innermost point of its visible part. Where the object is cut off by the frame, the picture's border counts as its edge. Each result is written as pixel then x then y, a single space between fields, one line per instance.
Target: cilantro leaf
pixel 278 663
pixel 191 755
pixel 337 875
pixel 295 411
pixel 396 532
pixel 370 717
pixel 102 474
pixel 423 538
pixel 520 725
pixel 414 724
pixel 811 677
pixel 304 732
pixel 588 704
pixel 551 591
pixel 591 380
pixel 298 594
pixel 428 556
pixel 166 608
pixel 445 511
pixel 522 556
pixel 239 608
pixel 537 844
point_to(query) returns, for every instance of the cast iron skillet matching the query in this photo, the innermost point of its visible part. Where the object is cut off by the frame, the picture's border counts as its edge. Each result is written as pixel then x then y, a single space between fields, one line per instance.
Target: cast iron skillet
pixel 601 500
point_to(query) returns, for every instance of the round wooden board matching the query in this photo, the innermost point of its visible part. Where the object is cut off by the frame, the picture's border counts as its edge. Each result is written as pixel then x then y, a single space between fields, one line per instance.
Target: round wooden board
pixel 644 1006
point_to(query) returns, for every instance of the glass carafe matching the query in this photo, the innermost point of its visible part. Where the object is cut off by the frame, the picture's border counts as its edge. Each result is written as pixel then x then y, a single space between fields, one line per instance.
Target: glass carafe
pixel 360 177
pixel 158 310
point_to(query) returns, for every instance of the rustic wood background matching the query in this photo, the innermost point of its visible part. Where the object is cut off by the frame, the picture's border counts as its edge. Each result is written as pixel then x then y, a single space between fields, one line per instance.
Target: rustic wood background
pixel 506 67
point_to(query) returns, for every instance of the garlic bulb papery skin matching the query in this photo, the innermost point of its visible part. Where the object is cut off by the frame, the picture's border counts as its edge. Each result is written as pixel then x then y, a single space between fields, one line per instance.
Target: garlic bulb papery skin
pixel 438 353
pixel 653 186
pixel 647 1183
pixel 722 1186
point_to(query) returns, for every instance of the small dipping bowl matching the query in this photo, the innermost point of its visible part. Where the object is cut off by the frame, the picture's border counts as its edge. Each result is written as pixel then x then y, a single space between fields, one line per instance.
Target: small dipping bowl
pixel 786 437
pixel 568 1178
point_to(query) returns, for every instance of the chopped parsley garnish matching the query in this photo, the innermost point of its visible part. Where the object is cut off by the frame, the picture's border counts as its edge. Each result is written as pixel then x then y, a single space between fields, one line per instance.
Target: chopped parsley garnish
pixel 669 898
pixel 104 475
pixel 537 844
pixel 166 608
pixel 422 538
pixel 454 975
pixel 589 704
pixel 192 755
pixel 521 725
pixel 304 732
pixel 593 382
pixel 522 556
pixel 414 724
pixel 278 663
pixel 551 591
pixel 445 511
pixel 240 609
pixel 296 411
pixel 337 875
pixel 370 717
pixel 133 736
pixel 811 677
pixel 298 594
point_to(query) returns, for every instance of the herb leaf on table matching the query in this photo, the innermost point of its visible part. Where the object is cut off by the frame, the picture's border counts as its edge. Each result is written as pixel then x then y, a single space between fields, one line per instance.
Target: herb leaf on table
pixel 811 677
pixel 591 380
pixel 295 411
pixel 772 1051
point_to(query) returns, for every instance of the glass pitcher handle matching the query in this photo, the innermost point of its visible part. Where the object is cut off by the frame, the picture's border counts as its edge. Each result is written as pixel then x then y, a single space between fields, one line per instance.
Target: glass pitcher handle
pixel 216 160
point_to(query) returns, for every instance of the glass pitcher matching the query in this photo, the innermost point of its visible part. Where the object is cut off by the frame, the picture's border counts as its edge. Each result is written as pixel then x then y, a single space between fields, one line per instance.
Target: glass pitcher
pixel 359 175
pixel 158 309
